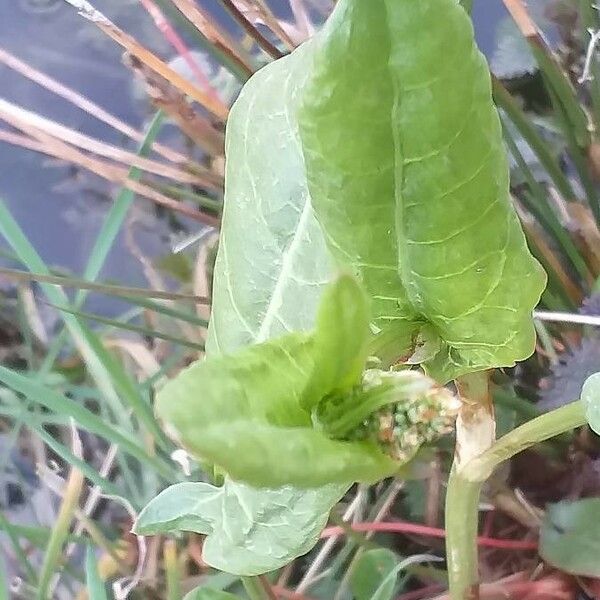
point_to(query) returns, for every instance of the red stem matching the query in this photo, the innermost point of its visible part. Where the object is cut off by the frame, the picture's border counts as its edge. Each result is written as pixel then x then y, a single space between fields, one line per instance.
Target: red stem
pixel 424 530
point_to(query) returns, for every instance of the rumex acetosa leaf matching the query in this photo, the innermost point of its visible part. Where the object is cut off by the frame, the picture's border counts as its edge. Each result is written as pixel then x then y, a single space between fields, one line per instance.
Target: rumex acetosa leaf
pixel 270 271
pixel 272 262
pixel 250 412
pixel 249 531
pixel 409 179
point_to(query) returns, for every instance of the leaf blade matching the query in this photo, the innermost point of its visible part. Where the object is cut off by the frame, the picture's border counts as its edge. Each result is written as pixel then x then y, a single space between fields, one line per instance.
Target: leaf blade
pixel 249 532
pixel 416 199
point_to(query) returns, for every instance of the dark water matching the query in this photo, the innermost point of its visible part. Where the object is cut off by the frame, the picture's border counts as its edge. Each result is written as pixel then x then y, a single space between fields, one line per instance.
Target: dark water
pixel 60 209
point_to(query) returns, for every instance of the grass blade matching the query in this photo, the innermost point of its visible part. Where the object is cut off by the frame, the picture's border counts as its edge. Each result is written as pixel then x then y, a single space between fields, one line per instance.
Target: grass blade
pixel 527 130
pixel 119 324
pixel 3 580
pixel 107 373
pixel 95 585
pixel 13 537
pixel 70 501
pixel 85 418
pixel 67 455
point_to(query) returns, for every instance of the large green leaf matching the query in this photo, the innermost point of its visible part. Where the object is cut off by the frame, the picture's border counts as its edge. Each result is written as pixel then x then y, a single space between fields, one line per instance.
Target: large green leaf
pixel 272 261
pixel 250 412
pixel 271 267
pixel 249 531
pixel 409 179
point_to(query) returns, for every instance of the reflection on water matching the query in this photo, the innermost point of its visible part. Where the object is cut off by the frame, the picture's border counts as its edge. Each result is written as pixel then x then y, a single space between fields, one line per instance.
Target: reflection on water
pixel 61 208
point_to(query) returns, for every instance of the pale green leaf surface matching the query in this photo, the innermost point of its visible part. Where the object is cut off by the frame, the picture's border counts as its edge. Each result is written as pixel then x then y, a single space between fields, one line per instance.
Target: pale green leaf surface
pixel 590 396
pixel 409 179
pixel 272 261
pixel 244 412
pixel 249 531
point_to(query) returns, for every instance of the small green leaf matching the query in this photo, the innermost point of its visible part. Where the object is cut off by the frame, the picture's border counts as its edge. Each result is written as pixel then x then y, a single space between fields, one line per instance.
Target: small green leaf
pixel 249 531
pixel 590 396
pixel 370 571
pixel 204 593
pixel 95 585
pixel 570 537
pixel 340 340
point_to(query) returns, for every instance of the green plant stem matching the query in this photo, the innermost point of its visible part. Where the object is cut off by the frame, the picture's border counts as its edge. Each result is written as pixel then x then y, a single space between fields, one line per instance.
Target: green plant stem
pixel 533 432
pixel 462 519
pixel 464 488
pixel 172 570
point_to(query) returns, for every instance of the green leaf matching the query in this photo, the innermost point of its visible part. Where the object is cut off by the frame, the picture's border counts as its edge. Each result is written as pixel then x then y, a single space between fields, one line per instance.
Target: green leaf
pixel 409 179
pixel 272 262
pixel 570 537
pixel 341 340
pixel 246 412
pixel 590 396
pixel 95 585
pixel 271 267
pixel 371 571
pixel 249 531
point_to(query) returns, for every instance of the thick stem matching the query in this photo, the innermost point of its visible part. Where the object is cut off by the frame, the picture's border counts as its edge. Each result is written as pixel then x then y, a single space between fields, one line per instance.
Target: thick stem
pixel 462 520
pixel 475 434
pixel 465 484
pixel 476 425
pixel 533 432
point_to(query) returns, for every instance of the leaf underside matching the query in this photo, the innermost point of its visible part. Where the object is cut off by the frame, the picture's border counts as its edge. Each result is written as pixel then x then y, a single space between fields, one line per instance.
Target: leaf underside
pixel 271 268
pixel 249 531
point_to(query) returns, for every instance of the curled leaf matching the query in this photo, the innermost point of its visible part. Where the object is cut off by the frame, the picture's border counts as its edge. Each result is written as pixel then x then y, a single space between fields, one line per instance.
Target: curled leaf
pixel 297 410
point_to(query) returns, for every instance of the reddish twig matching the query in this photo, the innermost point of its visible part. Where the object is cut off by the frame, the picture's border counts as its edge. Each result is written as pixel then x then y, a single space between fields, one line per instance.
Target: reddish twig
pixel 424 530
